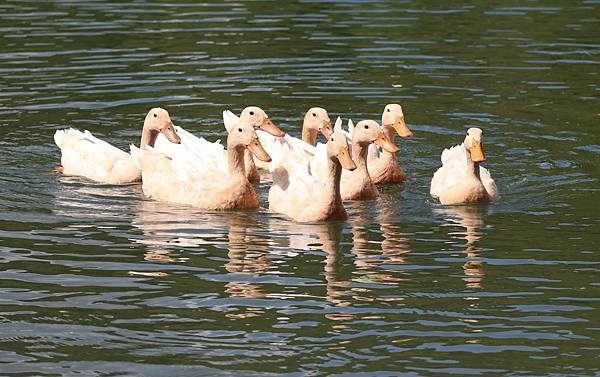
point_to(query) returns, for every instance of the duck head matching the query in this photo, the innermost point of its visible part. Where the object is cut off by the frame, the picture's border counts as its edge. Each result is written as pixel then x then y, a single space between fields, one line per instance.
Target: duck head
pixel 394 117
pixel 158 120
pixel 474 144
pixel 244 135
pixel 317 119
pixel 368 131
pixel 258 119
pixel 337 149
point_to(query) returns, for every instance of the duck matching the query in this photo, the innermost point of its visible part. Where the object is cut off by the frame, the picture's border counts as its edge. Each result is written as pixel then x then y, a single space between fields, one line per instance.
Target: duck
pixel 216 151
pixel 383 165
pixel 357 184
pixel 84 155
pixel 461 179
pixel 192 177
pixel 305 196
pixel 316 120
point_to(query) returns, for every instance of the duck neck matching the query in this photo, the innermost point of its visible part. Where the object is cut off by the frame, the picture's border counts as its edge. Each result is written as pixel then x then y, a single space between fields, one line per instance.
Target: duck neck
pixel 472 167
pixel 248 159
pixel 359 155
pixel 309 136
pixel 332 186
pixel 235 159
pixel 148 137
pixel 390 132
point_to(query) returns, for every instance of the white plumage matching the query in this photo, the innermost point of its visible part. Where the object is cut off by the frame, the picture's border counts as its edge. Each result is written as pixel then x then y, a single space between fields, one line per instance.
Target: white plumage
pixel 460 180
pixel 454 170
pixel 85 155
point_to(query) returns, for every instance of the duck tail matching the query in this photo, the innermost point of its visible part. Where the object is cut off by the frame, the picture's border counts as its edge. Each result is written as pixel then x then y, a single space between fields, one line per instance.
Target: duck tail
pixel 58 137
pixel 135 155
pixel 230 120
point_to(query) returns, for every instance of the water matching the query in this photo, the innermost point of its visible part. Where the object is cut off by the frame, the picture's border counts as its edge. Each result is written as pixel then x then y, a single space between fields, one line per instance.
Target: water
pixel 96 280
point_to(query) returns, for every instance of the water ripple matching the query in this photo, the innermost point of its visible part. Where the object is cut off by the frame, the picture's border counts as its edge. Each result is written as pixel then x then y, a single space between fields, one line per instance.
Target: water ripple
pixel 97 278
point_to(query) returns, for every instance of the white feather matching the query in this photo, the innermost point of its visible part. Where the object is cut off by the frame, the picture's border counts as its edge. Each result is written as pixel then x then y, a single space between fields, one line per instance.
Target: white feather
pixel 85 155
pixel 350 129
pixel 230 120
pixel 338 124
pixel 198 149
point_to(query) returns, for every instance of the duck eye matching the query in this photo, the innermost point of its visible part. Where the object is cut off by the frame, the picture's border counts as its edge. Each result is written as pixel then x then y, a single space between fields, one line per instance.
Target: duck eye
pixel 155 115
pixel 388 110
pixel 366 127
pixel 251 112
pixel 239 129
pixel 332 139
pixel 314 114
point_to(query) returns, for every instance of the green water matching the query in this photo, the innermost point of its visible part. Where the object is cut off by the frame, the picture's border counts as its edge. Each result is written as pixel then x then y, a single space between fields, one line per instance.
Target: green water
pixel 95 280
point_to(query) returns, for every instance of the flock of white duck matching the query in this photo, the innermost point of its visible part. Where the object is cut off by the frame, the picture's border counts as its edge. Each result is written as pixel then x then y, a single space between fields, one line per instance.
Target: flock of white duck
pixel 310 180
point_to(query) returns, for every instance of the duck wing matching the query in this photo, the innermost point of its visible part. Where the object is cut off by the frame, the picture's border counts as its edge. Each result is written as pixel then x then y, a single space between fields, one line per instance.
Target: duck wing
pixel 452 171
pixel 488 183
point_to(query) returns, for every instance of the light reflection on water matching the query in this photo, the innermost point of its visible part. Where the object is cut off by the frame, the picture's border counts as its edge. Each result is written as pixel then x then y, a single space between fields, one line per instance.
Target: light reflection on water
pixel 97 279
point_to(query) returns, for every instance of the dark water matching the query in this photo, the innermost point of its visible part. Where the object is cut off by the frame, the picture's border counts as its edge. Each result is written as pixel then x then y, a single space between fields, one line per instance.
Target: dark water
pixel 97 281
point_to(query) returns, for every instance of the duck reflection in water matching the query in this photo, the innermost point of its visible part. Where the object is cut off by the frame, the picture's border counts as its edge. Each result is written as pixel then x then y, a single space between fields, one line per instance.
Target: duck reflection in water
pixel 371 257
pixel 326 237
pixel 337 287
pixel 167 228
pixel 164 232
pixel 471 218
pixel 242 260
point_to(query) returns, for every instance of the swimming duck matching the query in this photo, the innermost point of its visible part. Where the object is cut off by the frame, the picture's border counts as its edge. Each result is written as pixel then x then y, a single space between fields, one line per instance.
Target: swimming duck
pixel 461 179
pixel 85 155
pixel 192 177
pixel 383 165
pixel 357 184
pixel 305 196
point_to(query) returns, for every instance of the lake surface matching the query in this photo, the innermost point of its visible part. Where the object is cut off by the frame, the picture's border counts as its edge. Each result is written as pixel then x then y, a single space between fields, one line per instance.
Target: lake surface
pixel 95 280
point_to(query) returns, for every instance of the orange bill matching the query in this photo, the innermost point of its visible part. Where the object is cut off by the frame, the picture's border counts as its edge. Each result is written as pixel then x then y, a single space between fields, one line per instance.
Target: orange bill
pixel 170 133
pixel 345 159
pixel 257 149
pixel 476 150
pixel 268 126
pixel 385 143
pixel 401 127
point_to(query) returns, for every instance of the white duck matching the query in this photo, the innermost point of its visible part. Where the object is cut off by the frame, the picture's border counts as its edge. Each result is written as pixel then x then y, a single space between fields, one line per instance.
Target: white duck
pixel 215 152
pixel 316 120
pixel 191 177
pixel 305 196
pixel 383 165
pixel 357 184
pixel 460 179
pixel 87 156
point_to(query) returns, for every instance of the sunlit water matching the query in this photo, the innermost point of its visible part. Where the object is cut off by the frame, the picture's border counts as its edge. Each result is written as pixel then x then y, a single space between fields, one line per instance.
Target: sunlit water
pixel 96 279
